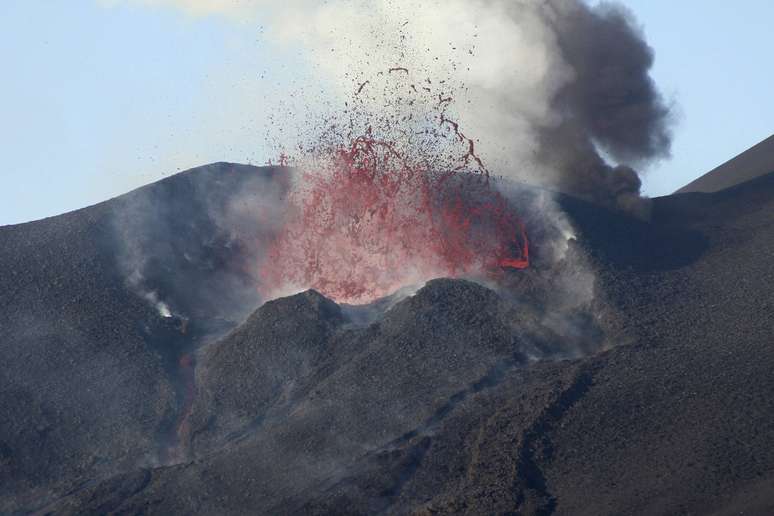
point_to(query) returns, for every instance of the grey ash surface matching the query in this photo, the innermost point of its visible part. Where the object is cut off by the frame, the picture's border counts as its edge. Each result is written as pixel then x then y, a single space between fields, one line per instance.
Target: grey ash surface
pixel 437 404
pixel 752 163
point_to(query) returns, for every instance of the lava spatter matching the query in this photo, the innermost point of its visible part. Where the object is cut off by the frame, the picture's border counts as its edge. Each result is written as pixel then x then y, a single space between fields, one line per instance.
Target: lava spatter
pixel 392 207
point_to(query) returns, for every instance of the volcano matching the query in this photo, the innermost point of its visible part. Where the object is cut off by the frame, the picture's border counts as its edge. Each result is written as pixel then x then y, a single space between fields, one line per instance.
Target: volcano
pixel 144 373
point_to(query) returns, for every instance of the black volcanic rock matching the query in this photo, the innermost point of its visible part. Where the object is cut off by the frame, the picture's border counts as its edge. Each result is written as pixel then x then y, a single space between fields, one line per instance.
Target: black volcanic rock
pixel 261 364
pixel 300 351
pixel 298 391
pixel 84 388
pixel 445 401
pixel 89 382
pixel 679 421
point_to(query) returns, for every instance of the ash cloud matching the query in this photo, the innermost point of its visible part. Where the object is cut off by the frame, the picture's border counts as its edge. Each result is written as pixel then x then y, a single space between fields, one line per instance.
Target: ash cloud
pixel 612 95
pixel 611 103
pixel 556 92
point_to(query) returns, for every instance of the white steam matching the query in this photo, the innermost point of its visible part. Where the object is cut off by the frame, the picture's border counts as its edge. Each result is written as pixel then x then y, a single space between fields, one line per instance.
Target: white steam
pixel 161 307
pixel 545 84
pixel 503 53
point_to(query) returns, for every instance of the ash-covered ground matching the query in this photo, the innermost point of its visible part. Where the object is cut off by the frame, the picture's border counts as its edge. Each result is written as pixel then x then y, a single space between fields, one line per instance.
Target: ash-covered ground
pixel 142 373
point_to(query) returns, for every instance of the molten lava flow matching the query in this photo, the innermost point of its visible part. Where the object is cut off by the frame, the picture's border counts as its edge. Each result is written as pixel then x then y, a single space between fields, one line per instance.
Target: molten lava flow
pixel 179 448
pixel 374 219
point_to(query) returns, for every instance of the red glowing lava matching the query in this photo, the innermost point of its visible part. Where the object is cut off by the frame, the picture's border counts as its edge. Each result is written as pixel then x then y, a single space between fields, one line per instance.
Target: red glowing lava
pixel 376 219
pixel 395 195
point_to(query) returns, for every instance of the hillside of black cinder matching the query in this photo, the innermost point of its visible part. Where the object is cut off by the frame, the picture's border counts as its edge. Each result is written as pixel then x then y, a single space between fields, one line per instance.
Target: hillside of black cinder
pixel 89 382
pixel 460 398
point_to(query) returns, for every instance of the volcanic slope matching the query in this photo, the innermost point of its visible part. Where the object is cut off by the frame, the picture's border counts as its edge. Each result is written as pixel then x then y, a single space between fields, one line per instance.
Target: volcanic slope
pixel 89 368
pixel 754 162
pixel 434 407
pixel 438 403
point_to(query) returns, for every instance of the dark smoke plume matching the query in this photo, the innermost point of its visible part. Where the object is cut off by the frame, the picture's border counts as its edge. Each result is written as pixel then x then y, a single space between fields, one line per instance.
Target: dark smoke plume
pixel 611 104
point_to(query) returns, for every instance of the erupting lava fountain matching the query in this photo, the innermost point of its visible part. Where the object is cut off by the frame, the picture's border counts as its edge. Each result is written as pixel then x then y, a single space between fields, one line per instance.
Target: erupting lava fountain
pixel 386 209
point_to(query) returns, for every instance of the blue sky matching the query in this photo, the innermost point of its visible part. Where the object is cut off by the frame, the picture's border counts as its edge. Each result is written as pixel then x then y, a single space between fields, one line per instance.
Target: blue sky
pixel 96 101
pixel 714 60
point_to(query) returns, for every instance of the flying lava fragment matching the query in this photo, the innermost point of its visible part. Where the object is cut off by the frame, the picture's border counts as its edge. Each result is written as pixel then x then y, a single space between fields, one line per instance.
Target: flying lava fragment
pixel 385 209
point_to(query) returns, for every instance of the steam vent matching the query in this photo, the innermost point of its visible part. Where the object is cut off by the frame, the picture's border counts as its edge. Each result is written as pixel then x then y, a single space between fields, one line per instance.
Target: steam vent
pixel 625 369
